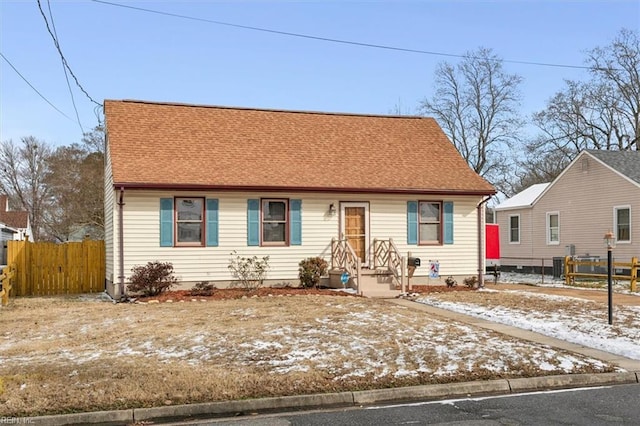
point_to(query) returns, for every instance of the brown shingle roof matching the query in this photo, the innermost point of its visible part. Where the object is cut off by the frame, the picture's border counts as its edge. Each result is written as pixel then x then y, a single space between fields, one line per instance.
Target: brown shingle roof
pixel 172 145
pixel 13 219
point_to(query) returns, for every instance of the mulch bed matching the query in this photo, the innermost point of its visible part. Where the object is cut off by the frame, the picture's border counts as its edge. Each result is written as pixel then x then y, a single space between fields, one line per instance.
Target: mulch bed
pixel 239 293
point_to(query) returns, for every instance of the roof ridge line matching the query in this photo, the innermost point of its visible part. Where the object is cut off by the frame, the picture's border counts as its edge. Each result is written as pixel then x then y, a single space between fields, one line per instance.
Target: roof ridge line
pixel 289 111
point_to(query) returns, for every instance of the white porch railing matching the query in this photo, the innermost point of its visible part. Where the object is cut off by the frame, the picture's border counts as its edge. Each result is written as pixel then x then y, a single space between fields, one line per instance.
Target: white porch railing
pixel 343 257
pixel 386 255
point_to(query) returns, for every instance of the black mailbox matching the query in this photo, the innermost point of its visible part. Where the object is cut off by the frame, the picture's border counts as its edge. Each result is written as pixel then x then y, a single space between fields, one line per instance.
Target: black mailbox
pixel 413 261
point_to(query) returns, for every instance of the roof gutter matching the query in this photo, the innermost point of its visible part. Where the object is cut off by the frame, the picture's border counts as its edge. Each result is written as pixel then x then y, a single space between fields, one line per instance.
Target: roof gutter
pixel 261 188
pixel 481 235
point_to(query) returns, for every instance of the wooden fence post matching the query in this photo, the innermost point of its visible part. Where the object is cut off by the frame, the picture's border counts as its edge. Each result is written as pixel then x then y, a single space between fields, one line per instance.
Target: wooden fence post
pixel 634 274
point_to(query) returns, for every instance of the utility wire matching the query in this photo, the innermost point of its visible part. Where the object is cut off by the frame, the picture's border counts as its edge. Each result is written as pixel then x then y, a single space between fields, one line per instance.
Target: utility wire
pixel 66 75
pixel 34 89
pixel 332 40
pixel 64 60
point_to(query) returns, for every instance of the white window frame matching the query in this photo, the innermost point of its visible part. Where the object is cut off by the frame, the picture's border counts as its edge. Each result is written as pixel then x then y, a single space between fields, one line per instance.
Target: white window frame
pixel 615 223
pixel 439 222
pixel 550 242
pixel 201 222
pixel 519 228
pixel 264 221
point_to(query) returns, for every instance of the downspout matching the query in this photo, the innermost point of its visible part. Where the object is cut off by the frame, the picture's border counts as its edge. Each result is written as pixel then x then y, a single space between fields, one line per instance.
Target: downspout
pixel 481 242
pixel 121 243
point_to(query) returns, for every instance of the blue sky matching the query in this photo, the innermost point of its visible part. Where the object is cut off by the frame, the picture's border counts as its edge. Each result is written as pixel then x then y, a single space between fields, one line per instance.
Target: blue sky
pixel 121 53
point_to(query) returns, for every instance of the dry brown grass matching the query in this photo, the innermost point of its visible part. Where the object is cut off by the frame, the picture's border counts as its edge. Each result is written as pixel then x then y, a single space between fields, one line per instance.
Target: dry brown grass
pixel 70 354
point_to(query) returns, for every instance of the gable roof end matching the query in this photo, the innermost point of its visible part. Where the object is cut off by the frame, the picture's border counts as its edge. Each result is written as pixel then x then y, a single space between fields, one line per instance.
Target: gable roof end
pixel 173 146
pixel 627 163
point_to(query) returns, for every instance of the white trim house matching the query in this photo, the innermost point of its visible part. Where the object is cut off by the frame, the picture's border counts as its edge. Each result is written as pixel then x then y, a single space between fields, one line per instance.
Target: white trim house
pixel 190 184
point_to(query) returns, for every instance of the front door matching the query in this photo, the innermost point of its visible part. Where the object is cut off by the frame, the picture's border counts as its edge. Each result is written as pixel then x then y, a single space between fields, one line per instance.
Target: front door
pixel 355 227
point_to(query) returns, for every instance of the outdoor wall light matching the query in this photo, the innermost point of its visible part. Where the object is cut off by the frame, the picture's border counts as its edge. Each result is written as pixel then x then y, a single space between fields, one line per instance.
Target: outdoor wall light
pixel 332 209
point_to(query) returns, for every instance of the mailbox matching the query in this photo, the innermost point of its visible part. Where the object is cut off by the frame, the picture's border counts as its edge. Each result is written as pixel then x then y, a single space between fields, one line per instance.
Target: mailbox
pixel 413 261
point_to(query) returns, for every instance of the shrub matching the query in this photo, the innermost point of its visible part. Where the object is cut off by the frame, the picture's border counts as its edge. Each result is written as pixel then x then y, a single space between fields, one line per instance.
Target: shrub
pixel 310 271
pixel 249 272
pixel 152 279
pixel 470 281
pixel 202 288
pixel 450 281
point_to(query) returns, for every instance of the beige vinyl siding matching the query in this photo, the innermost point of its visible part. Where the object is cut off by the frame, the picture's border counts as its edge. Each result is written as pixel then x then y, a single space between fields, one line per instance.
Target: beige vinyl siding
pixel 516 254
pixel 388 219
pixel 585 201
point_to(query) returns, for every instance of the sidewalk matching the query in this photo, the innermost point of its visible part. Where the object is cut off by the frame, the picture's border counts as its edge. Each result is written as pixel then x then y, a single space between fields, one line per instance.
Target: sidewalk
pixel 415 393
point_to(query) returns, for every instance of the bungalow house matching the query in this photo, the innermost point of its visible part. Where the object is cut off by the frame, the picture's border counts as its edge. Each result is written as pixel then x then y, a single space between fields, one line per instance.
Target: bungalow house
pixel 14 225
pixel 599 191
pixel 190 184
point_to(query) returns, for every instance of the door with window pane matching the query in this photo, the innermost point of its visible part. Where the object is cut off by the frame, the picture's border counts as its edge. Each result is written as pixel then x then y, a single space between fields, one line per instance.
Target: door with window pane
pixel 355 228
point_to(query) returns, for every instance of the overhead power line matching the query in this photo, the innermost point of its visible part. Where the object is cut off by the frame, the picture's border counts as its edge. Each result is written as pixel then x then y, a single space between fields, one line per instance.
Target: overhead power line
pixel 66 75
pixel 331 40
pixel 34 89
pixel 64 60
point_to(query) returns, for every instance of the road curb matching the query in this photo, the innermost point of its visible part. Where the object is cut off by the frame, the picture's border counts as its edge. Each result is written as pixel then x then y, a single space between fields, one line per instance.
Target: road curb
pixel 114 417
pixel 333 400
pixel 567 381
pixel 430 391
pixel 243 407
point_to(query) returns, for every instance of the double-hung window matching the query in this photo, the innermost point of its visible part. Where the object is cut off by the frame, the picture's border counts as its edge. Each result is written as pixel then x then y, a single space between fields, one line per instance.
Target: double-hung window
pixel 553 228
pixel 275 226
pixel 622 223
pixel 514 229
pixel 430 222
pixel 189 221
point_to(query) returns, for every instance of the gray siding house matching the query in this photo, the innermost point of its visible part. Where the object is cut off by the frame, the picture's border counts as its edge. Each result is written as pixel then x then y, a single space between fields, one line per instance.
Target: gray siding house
pixel 599 191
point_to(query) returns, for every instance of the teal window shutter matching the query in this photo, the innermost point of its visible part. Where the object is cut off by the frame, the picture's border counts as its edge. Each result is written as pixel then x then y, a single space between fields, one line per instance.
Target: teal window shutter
pixel 253 222
pixel 412 222
pixel 212 222
pixel 448 222
pixel 166 222
pixel 295 226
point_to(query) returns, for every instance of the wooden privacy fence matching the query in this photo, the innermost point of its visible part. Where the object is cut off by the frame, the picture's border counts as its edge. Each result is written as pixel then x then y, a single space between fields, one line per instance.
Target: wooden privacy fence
pixel 6 283
pixel 572 265
pixel 44 269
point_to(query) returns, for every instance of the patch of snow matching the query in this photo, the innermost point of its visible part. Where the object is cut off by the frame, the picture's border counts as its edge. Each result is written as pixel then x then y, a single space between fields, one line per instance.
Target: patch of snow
pixel 586 328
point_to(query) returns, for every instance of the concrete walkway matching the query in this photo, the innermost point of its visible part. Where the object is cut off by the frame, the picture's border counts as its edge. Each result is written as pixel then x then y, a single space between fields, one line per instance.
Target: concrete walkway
pixel 415 393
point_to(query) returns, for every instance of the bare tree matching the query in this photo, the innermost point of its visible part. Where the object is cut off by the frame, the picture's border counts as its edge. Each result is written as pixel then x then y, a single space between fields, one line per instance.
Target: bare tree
pixel 22 176
pixel 75 180
pixel 601 113
pixel 476 103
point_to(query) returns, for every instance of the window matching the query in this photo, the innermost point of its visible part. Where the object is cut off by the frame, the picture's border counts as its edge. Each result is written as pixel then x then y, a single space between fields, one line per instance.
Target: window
pixel 622 223
pixel 553 228
pixel 514 229
pixel 275 227
pixel 189 221
pixel 430 222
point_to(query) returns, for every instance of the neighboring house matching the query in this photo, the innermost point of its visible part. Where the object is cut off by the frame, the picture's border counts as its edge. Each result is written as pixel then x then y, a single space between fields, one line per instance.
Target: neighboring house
pixel 14 225
pixel 598 192
pixel 18 221
pixel 190 184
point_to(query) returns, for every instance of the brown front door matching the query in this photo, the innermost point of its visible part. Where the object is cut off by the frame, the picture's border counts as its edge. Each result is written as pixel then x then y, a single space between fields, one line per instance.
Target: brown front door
pixel 355 230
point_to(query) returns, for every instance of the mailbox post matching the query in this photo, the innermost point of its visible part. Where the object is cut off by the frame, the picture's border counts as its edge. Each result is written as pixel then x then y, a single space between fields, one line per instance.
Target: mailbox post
pixel 412 263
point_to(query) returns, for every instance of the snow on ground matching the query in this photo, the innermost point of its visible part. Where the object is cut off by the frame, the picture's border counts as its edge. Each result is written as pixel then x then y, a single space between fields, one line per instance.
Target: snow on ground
pixel 585 326
pixel 619 286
